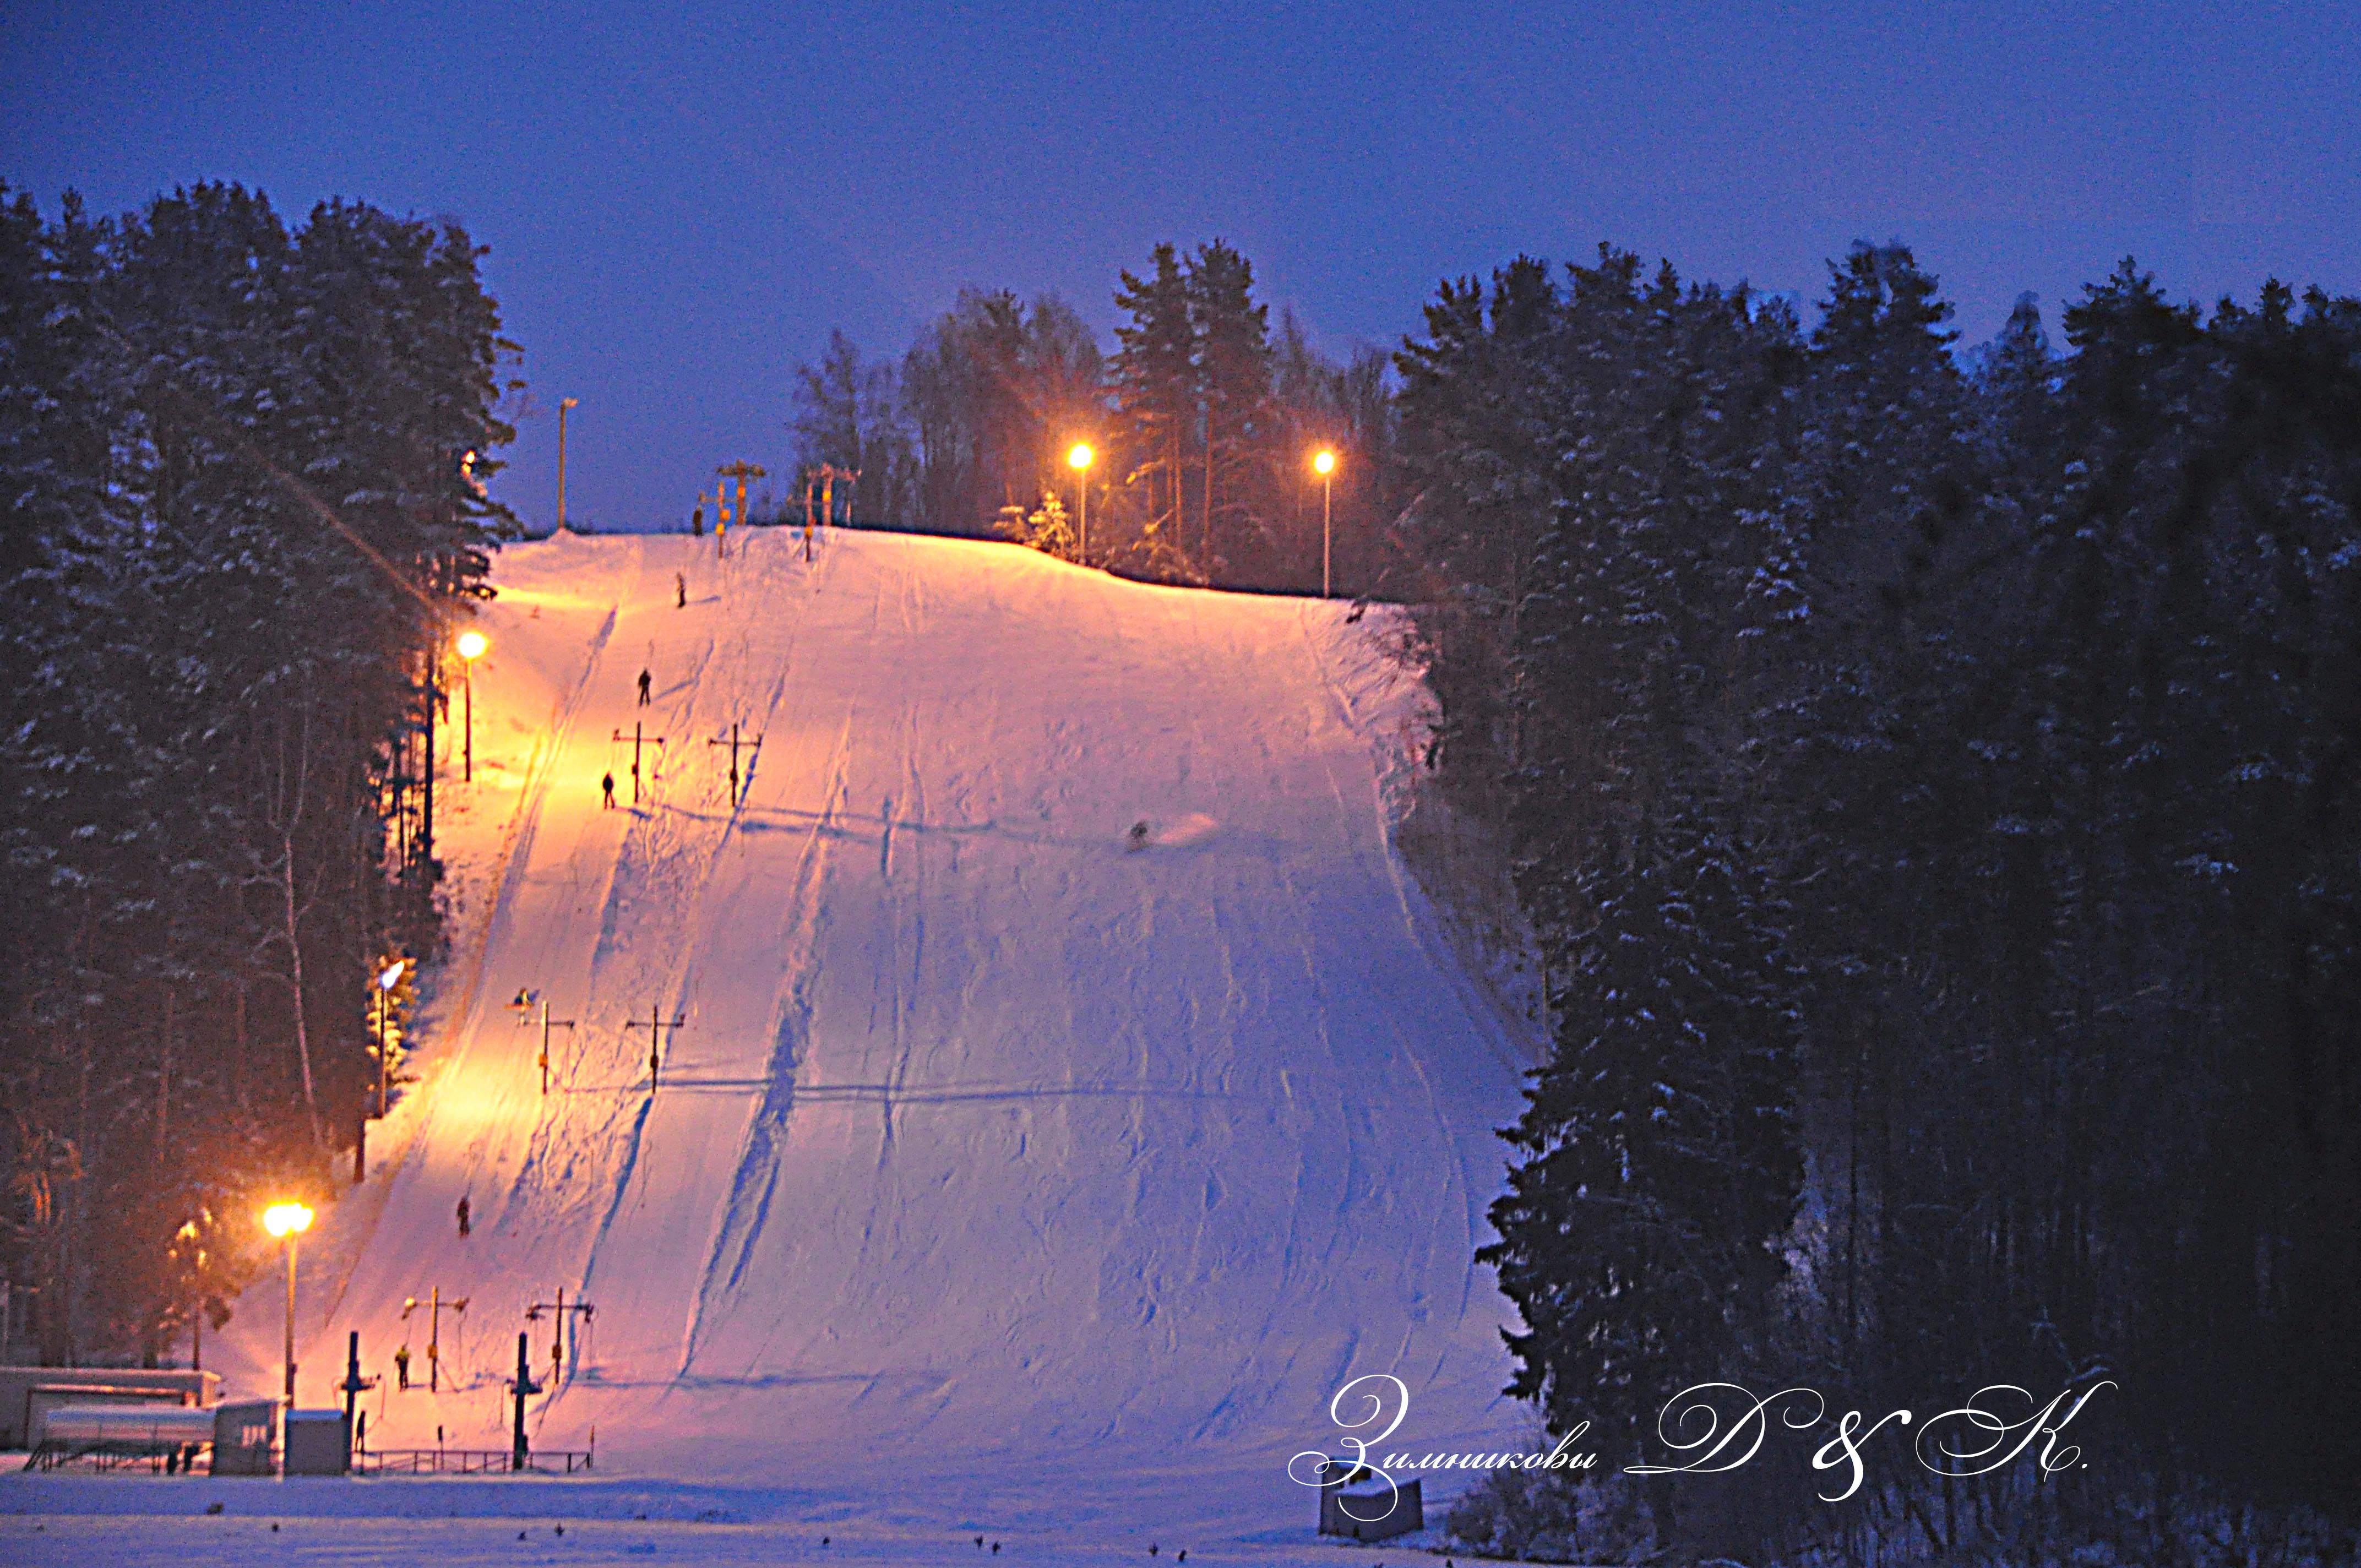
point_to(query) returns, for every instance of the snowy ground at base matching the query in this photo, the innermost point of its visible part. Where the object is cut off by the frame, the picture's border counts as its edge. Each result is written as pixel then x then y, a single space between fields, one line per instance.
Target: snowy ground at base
pixel 133 1523
pixel 1001 1168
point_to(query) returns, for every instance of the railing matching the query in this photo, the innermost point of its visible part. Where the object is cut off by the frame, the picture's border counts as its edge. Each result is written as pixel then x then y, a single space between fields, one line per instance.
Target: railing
pixel 465 1461
pixel 168 1458
pixel 162 1457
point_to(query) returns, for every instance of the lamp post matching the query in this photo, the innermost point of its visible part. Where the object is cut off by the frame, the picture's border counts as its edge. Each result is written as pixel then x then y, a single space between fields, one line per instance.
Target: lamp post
pixel 1324 463
pixel 1079 459
pixel 563 404
pixel 287 1222
pixel 388 977
pixel 471 648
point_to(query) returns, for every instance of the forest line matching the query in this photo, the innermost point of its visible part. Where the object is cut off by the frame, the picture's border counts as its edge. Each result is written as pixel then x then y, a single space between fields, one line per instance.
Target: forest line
pixel 1927 778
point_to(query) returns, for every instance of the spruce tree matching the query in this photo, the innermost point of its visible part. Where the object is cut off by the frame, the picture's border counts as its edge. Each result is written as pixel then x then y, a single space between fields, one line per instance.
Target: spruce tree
pixel 1158 390
pixel 1232 333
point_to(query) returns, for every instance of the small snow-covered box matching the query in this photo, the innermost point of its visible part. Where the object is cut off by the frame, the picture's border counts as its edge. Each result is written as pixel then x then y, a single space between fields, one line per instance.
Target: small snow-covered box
pixel 243 1433
pixel 315 1445
pixel 1375 1509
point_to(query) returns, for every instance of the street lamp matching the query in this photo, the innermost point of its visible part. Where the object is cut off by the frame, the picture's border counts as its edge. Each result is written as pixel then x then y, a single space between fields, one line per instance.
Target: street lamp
pixel 388 977
pixel 287 1222
pixel 1079 459
pixel 471 648
pixel 1324 463
pixel 563 404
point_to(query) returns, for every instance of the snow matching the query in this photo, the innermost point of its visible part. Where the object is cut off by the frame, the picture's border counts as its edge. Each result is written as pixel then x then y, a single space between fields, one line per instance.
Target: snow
pixel 133 1523
pixel 997 1171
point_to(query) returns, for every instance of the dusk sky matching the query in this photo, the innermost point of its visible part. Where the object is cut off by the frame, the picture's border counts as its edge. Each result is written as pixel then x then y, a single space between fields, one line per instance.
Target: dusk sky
pixel 681 201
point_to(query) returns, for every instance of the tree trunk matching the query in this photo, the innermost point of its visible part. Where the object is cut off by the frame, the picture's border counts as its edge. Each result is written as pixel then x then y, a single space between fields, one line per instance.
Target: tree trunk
pixel 164 1078
pixel 1205 531
pixel 295 977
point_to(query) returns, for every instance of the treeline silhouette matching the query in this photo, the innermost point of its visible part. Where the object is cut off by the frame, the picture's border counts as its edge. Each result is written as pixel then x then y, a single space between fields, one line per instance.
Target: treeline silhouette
pixel 240 466
pixel 1931 780
pixel 1201 423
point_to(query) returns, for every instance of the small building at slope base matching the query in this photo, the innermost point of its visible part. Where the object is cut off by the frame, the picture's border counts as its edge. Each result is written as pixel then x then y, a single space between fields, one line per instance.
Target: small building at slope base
pixel 1361 1505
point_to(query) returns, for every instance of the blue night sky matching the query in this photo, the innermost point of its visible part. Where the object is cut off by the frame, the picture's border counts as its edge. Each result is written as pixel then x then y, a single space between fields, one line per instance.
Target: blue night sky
pixel 682 201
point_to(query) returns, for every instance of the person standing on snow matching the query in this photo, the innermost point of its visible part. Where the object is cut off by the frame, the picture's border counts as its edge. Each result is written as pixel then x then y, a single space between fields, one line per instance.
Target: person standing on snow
pixel 464 1225
pixel 643 688
pixel 401 1367
pixel 680 586
pixel 607 784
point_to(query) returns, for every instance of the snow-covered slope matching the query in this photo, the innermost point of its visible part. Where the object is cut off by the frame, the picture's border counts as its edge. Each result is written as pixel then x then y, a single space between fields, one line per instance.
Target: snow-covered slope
pixel 995 1165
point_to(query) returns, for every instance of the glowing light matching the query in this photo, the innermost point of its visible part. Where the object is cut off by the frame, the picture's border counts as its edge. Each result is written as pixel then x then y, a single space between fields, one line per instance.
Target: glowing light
pixel 472 644
pixel 1081 457
pixel 1323 461
pixel 391 975
pixel 287 1219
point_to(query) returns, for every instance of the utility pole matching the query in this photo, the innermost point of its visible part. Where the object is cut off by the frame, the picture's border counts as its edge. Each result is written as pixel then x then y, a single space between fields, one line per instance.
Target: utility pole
pixel 562 1307
pixel 656 1027
pixel 563 404
pixel 752 746
pixel 435 1306
pixel 427 818
pixel 354 1384
pixel 637 742
pixel 523 1385
pixel 290 1322
pixel 1324 463
pixel 523 1007
pixel 741 472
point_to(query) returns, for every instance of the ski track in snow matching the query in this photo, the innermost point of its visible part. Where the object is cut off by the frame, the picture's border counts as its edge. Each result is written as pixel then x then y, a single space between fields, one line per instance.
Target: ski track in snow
pixel 1067 1176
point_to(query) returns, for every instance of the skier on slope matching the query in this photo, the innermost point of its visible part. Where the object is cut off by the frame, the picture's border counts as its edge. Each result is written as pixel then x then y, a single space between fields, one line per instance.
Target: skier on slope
pixel 643 688
pixel 402 1367
pixel 680 587
pixel 463 1223
pixel 607 784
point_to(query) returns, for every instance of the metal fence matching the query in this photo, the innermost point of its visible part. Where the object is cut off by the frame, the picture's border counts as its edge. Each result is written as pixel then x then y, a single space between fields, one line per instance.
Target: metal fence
pixel 465 1461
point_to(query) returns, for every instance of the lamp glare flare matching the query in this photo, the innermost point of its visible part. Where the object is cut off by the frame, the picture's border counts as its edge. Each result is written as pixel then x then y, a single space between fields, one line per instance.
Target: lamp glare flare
pixel 472 645
pixel 1081 457
pixel 1323 461
pixel 283 1220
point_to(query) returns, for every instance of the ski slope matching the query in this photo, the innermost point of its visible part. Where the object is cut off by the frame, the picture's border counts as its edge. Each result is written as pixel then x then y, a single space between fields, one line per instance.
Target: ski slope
pixel 996 1169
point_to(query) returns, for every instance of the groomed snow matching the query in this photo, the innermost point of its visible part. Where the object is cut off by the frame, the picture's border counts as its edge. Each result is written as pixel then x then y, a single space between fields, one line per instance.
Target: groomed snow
pixel 998 1171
